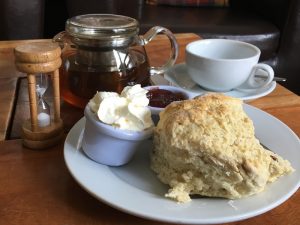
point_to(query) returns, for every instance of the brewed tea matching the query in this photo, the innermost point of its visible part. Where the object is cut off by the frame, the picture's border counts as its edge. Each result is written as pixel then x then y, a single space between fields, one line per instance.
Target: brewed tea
pixel 80 83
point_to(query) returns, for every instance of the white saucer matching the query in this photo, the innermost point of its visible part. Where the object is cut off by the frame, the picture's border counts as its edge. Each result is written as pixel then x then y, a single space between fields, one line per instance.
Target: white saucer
pixel 177 76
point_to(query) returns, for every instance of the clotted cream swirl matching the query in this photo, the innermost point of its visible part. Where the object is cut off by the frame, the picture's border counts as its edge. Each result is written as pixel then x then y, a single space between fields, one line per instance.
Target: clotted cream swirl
pixel 127 111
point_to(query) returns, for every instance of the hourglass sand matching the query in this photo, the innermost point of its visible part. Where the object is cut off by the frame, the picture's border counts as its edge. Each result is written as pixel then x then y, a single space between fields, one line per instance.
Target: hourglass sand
pixel 43 109
pixel 40 60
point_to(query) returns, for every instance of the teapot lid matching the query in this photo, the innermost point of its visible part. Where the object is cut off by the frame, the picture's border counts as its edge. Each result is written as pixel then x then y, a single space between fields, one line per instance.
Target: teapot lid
pixel 102 27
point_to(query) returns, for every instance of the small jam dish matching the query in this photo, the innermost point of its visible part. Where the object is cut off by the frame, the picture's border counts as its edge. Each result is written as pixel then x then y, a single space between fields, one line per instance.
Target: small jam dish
pixel 162 95
pixel 110 145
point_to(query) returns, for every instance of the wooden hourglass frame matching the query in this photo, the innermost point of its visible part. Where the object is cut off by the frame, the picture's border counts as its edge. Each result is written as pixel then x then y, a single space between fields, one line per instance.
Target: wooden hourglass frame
pixel 40 58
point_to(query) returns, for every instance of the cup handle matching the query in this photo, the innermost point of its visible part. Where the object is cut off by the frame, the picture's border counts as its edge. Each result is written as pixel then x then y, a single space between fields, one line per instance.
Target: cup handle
pixel 174 47
pixel 254 82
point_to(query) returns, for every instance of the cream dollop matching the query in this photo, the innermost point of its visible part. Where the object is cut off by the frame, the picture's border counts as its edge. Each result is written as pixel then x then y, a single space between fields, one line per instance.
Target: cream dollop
pixel 127 111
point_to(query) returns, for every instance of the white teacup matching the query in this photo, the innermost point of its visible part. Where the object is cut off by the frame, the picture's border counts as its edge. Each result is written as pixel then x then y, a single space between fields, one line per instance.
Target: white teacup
pixel 222 65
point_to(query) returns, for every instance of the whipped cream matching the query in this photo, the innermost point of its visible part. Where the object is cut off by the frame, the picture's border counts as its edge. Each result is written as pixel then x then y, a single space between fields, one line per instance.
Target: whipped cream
pixel 127 111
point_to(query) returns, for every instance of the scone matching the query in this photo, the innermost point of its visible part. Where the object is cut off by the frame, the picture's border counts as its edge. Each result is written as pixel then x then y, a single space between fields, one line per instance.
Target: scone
pixel 207 146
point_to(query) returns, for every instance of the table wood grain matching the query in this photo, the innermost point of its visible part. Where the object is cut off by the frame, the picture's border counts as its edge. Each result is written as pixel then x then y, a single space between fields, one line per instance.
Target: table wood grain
pixel 36 187
pixel 8 88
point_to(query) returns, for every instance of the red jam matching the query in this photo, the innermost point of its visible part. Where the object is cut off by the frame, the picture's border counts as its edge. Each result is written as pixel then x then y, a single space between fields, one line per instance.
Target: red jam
pixel 161 98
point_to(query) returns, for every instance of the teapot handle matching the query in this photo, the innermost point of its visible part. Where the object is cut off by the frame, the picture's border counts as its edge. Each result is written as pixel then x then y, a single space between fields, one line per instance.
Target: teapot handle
pixel 174 47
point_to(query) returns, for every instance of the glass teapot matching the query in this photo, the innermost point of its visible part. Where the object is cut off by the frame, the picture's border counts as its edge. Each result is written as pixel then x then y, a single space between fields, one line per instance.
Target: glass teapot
pixel 103 52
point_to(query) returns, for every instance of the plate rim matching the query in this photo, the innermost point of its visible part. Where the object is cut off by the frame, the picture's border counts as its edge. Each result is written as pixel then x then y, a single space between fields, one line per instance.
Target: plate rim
pixel 189 221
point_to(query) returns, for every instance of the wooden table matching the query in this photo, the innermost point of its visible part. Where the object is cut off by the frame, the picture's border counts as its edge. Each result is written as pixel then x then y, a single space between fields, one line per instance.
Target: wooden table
pixel 36 187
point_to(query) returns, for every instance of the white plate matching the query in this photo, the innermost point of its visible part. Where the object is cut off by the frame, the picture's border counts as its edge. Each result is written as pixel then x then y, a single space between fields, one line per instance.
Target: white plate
pixel 135 189
pixel 177 76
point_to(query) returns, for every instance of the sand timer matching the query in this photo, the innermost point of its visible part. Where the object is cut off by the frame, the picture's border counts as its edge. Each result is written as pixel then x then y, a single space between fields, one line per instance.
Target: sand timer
pixel 41 60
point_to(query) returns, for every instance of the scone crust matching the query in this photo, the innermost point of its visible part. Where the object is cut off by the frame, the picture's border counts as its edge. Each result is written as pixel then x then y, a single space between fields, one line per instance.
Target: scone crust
pixel 207 146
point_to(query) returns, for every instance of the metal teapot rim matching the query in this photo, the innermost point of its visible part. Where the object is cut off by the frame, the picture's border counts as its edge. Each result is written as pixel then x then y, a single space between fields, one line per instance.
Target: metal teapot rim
pixel 102 26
